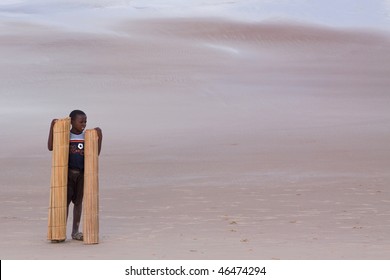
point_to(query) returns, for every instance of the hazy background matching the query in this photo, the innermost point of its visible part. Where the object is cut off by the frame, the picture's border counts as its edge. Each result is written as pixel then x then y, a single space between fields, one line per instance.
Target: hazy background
pixel 232 129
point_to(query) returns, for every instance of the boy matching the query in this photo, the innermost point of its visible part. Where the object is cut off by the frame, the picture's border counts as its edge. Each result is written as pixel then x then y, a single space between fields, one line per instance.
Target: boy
pixel 76 165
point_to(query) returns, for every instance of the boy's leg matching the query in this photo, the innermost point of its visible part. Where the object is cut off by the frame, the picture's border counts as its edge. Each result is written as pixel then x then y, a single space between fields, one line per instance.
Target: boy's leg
pixel 77 207
pixel 69 193
pixel 76 218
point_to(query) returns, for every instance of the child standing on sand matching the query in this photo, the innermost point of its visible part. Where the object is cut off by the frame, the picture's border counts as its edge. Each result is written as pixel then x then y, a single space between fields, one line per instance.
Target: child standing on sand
pixel 75 188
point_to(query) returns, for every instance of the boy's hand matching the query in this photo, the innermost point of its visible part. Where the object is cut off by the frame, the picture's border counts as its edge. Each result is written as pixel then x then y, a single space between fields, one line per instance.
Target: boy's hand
pixel 50 139
pixel 100 138
pixel 53 122
pixel 99 132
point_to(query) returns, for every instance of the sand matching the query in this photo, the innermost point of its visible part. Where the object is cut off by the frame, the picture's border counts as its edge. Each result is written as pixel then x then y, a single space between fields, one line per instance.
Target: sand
pixel 222 139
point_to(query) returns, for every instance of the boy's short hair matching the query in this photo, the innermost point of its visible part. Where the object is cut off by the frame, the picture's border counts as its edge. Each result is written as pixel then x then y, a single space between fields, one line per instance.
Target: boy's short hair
pixel 74 113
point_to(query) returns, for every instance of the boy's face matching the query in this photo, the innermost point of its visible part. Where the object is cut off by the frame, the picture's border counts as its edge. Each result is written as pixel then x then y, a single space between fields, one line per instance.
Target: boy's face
pixel 79 123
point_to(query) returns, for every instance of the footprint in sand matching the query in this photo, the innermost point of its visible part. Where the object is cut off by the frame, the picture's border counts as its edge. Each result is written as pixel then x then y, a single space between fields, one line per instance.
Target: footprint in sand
pixel 226 218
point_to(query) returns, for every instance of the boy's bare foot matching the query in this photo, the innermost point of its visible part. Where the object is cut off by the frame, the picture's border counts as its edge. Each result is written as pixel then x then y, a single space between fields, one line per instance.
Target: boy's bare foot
pixel 78 236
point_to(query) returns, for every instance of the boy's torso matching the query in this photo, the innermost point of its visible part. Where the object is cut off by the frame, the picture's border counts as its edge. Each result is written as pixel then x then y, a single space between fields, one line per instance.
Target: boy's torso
pixel 76 151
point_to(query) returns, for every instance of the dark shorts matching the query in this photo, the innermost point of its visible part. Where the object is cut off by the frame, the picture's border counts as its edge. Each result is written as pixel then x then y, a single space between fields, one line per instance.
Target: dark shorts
pixel 75 186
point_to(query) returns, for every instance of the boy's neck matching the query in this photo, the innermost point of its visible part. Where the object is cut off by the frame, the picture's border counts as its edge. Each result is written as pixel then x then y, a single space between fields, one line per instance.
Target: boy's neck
pixel 76 132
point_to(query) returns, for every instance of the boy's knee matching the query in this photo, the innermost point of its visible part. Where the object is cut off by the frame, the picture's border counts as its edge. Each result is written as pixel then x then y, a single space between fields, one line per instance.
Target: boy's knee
pixel 78 203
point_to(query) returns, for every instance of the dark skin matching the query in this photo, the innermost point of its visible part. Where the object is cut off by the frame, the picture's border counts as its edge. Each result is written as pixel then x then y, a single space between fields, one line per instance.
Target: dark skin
pixel 78 125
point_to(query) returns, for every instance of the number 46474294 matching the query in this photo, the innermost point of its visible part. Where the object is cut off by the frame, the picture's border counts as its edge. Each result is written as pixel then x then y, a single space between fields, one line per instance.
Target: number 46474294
pixel 237 270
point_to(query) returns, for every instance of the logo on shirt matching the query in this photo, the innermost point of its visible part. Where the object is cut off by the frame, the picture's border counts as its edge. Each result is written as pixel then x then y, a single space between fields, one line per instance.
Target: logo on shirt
pixel 76 147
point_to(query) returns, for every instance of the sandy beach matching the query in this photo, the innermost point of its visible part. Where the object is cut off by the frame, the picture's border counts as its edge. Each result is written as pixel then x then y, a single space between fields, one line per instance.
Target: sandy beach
pixel 223 139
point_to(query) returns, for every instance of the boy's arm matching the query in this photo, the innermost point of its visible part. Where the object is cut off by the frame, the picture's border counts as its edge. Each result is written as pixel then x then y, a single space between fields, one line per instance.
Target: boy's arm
pixel 100 138
pixel 50 138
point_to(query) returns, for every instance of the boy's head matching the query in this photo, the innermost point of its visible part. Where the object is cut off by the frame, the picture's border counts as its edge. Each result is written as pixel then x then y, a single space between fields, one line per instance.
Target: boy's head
pixel 78 120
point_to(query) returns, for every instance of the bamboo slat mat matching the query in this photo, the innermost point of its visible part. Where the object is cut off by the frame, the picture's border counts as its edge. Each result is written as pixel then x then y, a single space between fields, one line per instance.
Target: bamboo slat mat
pixel 59 178
pixel 91 188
